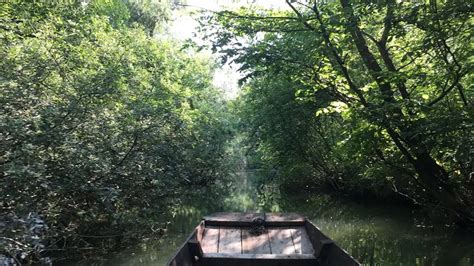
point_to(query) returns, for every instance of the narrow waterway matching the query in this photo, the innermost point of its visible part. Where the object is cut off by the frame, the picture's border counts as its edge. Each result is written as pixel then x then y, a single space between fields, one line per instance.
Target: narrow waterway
pixel 375 235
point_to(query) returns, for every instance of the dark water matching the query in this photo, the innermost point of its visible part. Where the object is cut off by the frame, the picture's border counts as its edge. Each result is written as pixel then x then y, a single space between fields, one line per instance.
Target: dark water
pixel 375 235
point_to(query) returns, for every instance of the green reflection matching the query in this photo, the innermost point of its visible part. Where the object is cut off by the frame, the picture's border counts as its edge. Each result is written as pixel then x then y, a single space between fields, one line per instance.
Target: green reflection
pixel 375 235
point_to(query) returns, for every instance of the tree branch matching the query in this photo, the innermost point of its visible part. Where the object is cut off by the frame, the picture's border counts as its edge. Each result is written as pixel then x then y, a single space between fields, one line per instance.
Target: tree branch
pixel 331 47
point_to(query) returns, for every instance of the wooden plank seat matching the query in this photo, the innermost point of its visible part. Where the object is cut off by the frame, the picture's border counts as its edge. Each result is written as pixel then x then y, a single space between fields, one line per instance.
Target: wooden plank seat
pixel 246 219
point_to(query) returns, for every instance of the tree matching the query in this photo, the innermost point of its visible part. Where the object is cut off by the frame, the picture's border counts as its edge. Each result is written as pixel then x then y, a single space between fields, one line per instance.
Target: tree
pixel 400 67
pixel 102 128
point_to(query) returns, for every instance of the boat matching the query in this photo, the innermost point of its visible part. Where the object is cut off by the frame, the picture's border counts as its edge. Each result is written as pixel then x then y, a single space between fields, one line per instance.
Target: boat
pixel 251 239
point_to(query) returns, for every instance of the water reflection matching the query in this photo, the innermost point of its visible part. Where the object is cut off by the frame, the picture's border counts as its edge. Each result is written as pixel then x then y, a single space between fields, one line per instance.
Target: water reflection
pixel 385 236
pixel 375 235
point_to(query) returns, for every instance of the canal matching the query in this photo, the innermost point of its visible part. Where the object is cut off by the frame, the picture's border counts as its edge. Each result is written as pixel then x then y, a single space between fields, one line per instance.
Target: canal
pixel 373 234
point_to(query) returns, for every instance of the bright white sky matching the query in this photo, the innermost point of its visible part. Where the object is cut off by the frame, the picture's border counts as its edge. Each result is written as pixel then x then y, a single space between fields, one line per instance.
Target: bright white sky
pixel 184 26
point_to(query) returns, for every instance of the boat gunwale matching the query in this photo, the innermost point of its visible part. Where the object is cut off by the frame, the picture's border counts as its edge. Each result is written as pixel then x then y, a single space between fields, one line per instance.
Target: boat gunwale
pixel 185 244
pixel 311 224
pixel 259 256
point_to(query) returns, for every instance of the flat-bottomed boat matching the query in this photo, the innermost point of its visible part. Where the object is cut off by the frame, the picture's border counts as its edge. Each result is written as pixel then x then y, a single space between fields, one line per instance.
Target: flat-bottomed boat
pixel 254 239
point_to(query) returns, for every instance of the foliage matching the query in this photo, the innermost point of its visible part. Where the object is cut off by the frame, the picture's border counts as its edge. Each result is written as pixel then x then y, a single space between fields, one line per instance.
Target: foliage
pixel 363 96
pixel 101 127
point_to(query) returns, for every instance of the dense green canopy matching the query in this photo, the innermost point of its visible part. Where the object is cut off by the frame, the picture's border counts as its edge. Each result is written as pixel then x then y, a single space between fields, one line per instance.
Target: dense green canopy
pixel 102 127
pixel 107 124
pixel 370 97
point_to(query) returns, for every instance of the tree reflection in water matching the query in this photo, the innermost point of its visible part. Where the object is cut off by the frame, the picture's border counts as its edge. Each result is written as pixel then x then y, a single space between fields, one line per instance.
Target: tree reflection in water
pixel 375 235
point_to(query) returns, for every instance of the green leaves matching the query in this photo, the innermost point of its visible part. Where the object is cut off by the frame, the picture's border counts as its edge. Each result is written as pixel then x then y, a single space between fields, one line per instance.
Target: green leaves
pixel 367 90
pixel 102 127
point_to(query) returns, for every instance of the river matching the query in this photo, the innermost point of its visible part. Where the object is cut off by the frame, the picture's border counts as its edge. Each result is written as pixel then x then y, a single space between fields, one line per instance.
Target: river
pixel 373 234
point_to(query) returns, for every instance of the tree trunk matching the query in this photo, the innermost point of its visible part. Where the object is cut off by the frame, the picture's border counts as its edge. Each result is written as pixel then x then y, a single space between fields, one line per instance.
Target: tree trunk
pixel 431 174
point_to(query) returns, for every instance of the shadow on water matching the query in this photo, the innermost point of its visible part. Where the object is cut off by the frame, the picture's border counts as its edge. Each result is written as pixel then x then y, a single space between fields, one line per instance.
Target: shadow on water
pixel 375 235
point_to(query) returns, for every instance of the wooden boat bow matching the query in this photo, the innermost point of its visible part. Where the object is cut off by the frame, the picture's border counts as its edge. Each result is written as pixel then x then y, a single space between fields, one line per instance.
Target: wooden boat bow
pixel 288 239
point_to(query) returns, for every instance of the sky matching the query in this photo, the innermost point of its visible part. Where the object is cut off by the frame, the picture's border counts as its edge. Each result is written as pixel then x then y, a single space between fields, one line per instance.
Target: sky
pixel 183 26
